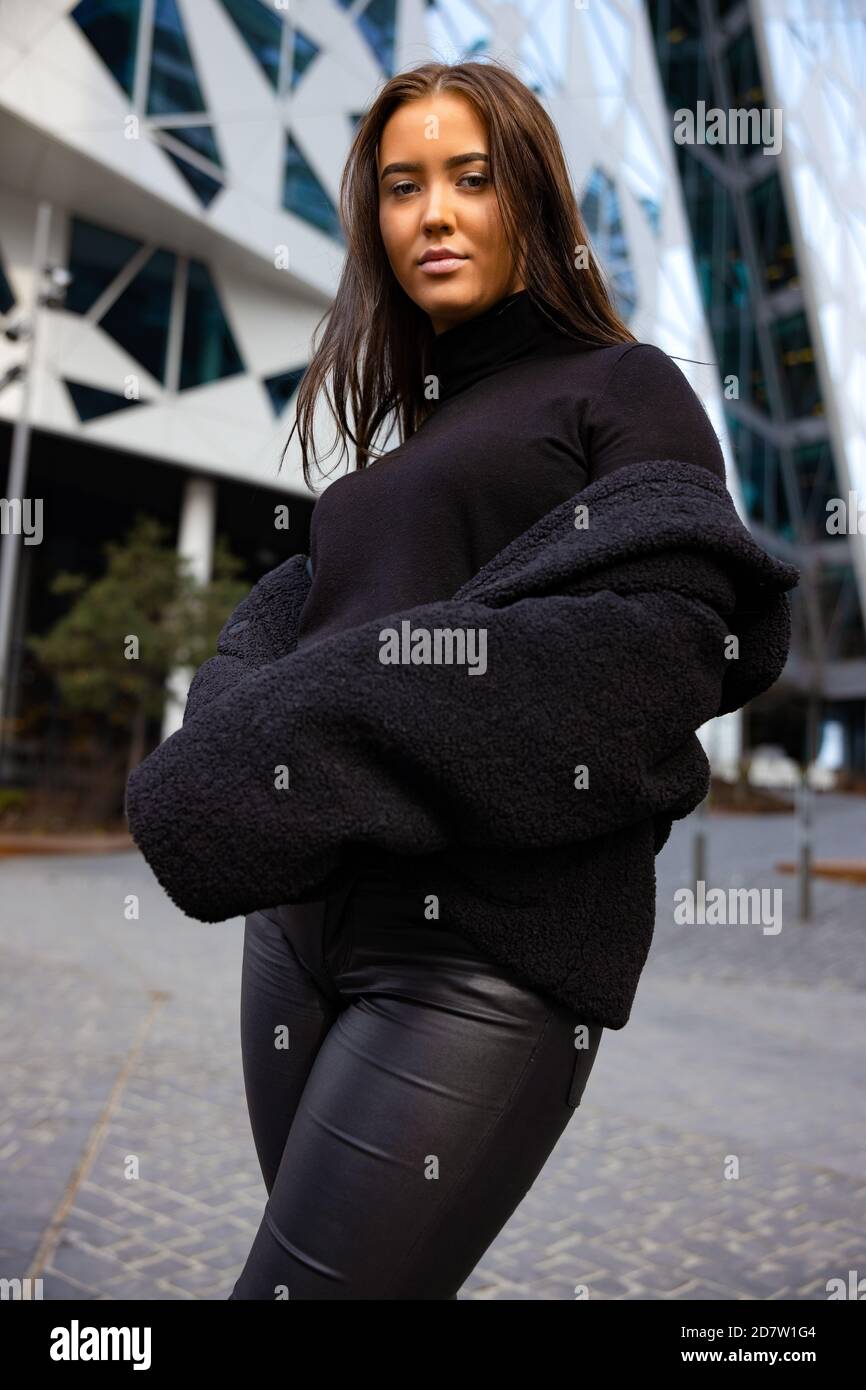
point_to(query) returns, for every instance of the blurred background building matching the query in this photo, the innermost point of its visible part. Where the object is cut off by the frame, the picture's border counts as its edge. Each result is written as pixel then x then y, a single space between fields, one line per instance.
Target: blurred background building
pixel 186 157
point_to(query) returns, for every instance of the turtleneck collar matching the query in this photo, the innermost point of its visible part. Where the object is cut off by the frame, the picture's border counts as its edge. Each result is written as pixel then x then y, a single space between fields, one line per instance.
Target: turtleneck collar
pixel 510 330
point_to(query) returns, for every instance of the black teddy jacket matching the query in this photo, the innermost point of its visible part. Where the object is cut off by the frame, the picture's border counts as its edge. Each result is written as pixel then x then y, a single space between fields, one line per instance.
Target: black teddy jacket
pixel 532 798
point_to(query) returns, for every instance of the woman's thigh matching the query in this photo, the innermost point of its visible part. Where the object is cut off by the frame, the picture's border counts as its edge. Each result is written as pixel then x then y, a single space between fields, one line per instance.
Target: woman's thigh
pixel 284 1019
pixel 429 1110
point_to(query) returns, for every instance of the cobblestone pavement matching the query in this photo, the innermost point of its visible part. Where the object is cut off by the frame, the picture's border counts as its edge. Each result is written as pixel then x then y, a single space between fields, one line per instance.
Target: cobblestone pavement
pixel 127 1168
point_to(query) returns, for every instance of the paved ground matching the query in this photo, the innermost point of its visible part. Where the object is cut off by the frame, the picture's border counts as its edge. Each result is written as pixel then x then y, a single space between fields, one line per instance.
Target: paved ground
pixel 120 1048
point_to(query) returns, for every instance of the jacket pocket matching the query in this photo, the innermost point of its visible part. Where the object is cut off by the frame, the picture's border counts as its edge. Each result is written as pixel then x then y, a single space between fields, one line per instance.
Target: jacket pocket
pixel 584 1059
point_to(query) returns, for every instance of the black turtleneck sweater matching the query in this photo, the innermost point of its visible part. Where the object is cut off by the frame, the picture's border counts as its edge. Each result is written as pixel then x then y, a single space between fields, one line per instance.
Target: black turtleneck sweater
pixel 526 417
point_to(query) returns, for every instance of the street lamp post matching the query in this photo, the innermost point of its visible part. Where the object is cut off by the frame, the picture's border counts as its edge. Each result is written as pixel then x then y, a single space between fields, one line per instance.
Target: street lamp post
pixel 805 800
pixel 42 294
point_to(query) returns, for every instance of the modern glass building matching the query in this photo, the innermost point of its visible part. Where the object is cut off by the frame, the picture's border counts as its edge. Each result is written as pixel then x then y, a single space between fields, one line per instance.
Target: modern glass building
pixel 190 153
pixel 780 246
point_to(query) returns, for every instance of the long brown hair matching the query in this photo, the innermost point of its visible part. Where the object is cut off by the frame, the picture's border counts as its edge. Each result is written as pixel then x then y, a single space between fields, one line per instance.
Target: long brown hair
pixel 377 344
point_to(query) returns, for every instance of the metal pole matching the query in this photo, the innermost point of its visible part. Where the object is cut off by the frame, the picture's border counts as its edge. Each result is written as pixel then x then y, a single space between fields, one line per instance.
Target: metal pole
pixel 17 483
pixel 806 792
pixel 699 843
pixel 804 875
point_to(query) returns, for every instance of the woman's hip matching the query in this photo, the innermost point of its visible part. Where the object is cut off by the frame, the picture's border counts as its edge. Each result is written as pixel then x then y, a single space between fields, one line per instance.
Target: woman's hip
pixel 379 936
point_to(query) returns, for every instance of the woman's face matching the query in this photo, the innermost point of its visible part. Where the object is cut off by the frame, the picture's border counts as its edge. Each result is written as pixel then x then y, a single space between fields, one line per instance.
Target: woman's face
pixel 445 200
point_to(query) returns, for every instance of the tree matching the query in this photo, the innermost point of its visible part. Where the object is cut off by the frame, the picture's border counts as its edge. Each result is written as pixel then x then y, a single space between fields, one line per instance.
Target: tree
pixel 112 652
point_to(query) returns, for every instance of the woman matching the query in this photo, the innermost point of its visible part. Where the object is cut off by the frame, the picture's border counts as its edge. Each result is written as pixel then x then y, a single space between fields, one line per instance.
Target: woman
pixel 422 1086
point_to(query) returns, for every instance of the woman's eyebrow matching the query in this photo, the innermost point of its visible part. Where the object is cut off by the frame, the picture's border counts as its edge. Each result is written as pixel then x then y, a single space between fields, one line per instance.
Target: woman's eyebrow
pixel 402 167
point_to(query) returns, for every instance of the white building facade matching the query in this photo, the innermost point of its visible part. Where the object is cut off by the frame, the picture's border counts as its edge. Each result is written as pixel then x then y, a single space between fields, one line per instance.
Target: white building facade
pixel 190 152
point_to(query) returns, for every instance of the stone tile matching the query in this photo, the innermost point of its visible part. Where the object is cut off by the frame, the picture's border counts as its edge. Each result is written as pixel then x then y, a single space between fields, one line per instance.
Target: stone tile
pixel 738 1044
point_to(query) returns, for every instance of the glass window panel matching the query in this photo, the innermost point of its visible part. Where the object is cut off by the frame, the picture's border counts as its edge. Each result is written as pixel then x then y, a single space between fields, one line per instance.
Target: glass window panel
pixel 681 53
pixel 7 295
pixel 736 278
pixel 139 319
pixel 767 205
pixel 262 31
pixel 796 359
pixel 653 211
pixel 304 195
pixel 759 469
pixel 91 402
pixel 601 211
pixel 111 26
pixel 744 73
pixel 173 82
pixel 201 138
pixel 378 24
pixel 841 615
pixel 209 351
pixel 700 193
pixel 96 255
pixel 727 344
pixel 740 356
pixel 282 387
pixel 752 375
pixel 625 292
pixel 204 186
pixel 302 56
pixel 817 484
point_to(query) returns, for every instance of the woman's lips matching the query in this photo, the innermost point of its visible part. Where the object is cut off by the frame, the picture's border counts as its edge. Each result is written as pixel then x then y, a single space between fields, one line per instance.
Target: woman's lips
pixel 443 265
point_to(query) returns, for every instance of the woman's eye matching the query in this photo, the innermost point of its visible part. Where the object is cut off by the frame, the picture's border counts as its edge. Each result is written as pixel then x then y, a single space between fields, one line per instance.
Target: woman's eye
pixel 407 183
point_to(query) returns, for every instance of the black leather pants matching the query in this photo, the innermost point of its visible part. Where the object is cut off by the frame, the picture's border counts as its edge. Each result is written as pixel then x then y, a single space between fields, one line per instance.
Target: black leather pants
pixel 404 1092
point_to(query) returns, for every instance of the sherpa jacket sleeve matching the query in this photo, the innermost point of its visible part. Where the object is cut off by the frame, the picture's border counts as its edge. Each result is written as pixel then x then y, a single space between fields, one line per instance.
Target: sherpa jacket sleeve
pixel 255 634
pixel 582 721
